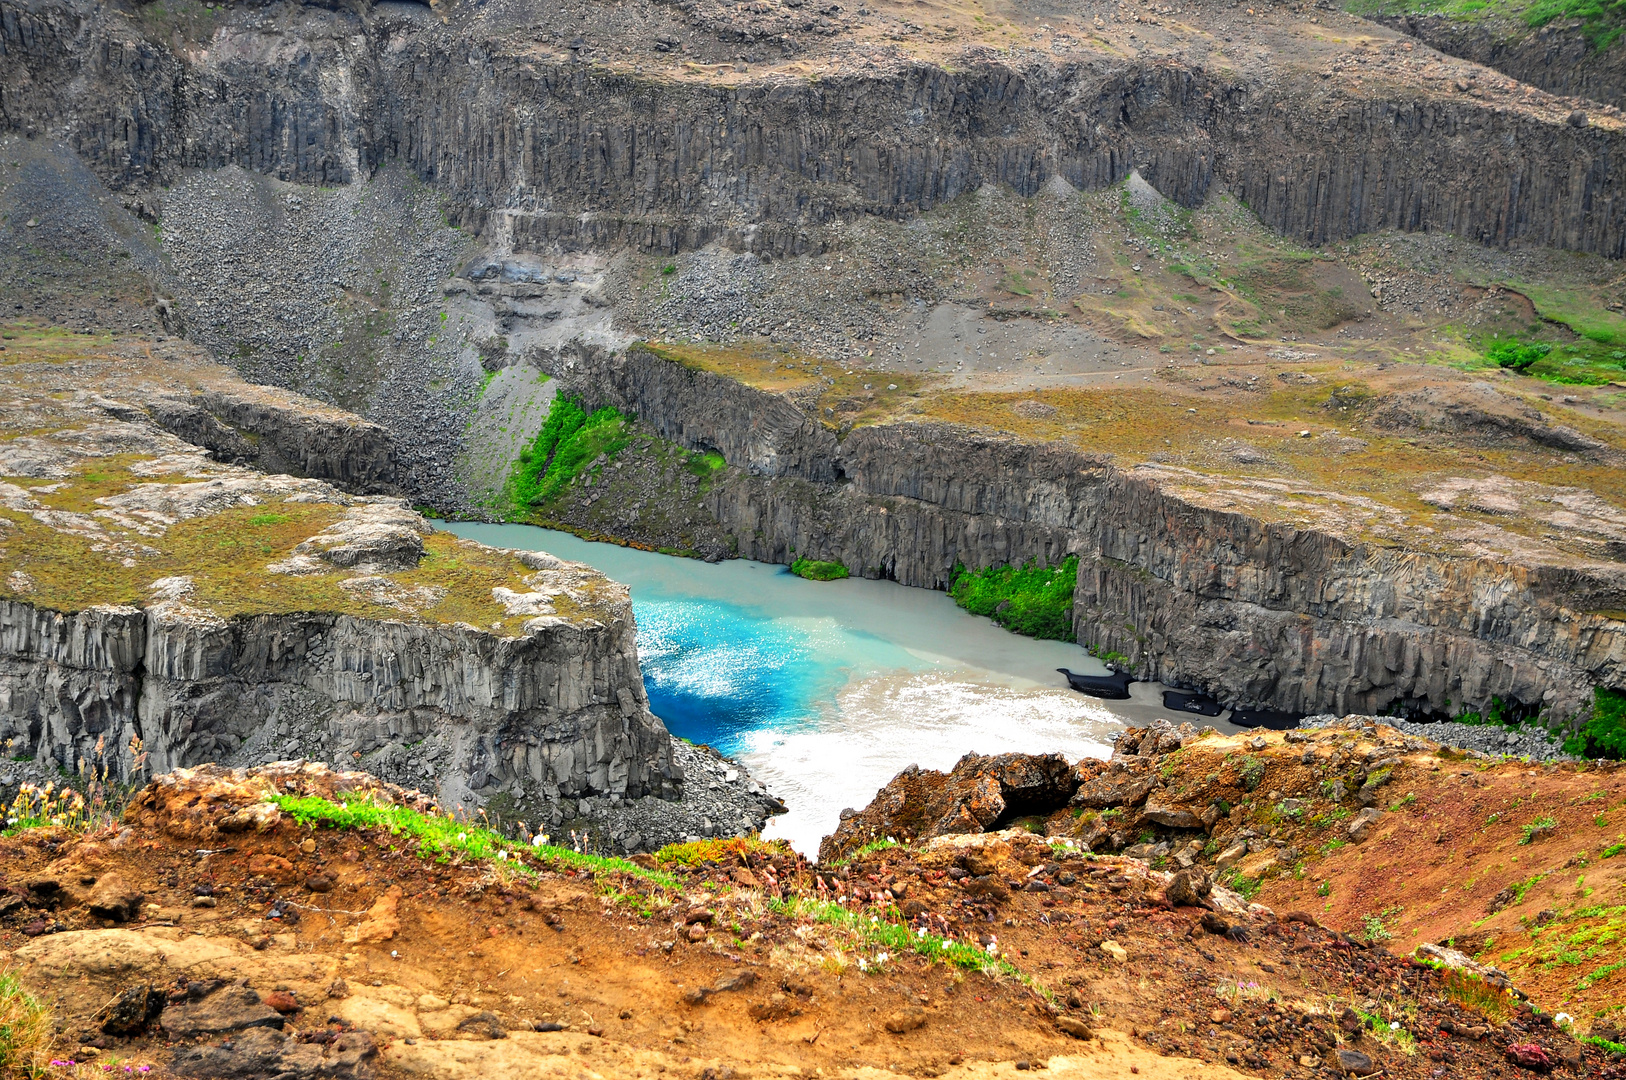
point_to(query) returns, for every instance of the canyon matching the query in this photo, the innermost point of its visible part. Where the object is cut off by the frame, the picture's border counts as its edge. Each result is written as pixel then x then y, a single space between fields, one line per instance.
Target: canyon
pixel 448 217
pixel 1299 327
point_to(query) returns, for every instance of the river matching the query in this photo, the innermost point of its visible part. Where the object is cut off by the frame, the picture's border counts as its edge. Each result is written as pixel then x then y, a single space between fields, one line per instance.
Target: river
pixel 826 690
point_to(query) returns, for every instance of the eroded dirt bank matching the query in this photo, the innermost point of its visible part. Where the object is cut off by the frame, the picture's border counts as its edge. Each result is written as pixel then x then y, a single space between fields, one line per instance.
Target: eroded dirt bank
pixel 237 941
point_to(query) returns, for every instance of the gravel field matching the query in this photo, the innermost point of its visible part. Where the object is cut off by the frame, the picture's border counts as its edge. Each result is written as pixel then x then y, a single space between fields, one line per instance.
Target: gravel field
pixel 1481 738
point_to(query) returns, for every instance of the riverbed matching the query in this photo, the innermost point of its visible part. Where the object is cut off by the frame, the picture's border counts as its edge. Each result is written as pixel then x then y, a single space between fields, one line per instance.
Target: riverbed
pixel 826 690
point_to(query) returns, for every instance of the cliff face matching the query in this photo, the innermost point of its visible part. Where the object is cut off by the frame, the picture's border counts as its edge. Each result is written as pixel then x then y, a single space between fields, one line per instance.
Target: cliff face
pixel 553 154
pixel 277 432
pixel 1556 57
pixel 219 614
pixel 1252 610
pixel 559 711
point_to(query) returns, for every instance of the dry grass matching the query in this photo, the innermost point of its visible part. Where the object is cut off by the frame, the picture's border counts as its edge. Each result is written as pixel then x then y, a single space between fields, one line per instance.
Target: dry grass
pixel 26 1030
pixel 842 398
pixel 1477 995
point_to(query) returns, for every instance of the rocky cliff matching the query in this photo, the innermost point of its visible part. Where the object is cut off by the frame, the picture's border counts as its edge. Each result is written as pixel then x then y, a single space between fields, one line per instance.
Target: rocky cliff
pixel 1556 57
pixel 536 147
pixel 1172 577
pixel 160 609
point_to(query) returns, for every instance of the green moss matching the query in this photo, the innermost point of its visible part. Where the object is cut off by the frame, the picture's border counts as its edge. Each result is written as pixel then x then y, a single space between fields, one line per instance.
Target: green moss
pixel 569 442
pixel 818 570
pixel 1032 600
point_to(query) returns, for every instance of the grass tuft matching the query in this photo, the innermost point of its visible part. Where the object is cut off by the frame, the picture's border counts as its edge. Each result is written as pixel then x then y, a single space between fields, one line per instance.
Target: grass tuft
pixel 26 1030
pixel 441 836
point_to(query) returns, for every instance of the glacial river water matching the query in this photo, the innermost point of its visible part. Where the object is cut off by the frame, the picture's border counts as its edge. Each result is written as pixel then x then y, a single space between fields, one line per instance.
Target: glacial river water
pixel 825 690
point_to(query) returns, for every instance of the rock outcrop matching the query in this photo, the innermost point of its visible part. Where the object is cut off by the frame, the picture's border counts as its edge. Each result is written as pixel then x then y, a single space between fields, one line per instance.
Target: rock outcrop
pixel 237 617
pixel 1557 57
pixel 980 794
pixel 1189 590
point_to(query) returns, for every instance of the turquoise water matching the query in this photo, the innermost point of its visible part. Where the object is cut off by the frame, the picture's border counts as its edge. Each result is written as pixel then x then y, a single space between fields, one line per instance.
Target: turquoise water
pixel 825 690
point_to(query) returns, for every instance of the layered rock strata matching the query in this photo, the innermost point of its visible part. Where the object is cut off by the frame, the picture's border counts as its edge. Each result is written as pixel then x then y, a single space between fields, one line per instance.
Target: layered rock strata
pixel 550 153
pixel 1173 578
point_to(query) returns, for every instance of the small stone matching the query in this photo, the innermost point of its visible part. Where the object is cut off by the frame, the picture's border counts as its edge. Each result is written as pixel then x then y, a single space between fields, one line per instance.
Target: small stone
pixel 697 932
pixel 203 902
pixel 1072 1025
pixel 319 883
pixel 1220 1016
pixel 308 846
pixel 1115 950
pixel 1355 1063
pixel 906 1019
pixel 282 1001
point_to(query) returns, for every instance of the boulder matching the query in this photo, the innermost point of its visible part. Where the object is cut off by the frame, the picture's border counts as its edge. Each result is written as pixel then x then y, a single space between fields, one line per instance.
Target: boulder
pixel 1361 823
pixel 264 1052
pixel 1355 1063
pixel 1072 1025
pixel 216 1009
pixel 1188 888
pixel 133 1011
pixel 114 898
pixel 1170 817
pixel 382 921
pixel 1125 782
pixel 979 794
pixel 906 1019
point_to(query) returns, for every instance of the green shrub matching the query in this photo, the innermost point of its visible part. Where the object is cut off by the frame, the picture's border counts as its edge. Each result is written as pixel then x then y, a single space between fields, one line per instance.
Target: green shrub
pixel 1032 600
pixel 818 570
pixel 1604 736
pixel 569 441
pixel 1514 354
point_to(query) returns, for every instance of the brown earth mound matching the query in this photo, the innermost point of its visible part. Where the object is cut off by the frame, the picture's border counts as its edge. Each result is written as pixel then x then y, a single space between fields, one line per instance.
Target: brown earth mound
pixel 279 949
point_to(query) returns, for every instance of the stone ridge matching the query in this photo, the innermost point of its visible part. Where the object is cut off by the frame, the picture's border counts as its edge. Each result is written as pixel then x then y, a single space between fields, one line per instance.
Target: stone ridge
pixel 159 609
pixel 1292 613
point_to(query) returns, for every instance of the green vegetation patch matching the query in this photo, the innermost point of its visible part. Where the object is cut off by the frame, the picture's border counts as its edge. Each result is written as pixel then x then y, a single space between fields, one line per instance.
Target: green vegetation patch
pixel 441 836
pixel 721 849
pixel 570 441
pixel 897 937
pixel 1578 363
pixel 1603 736
pixel 818 570
pixel 1602 21
pixel 1033 600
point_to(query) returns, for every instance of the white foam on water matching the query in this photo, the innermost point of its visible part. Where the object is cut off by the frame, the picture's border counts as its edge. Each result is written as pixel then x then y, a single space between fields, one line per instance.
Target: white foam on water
pixel 883 725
